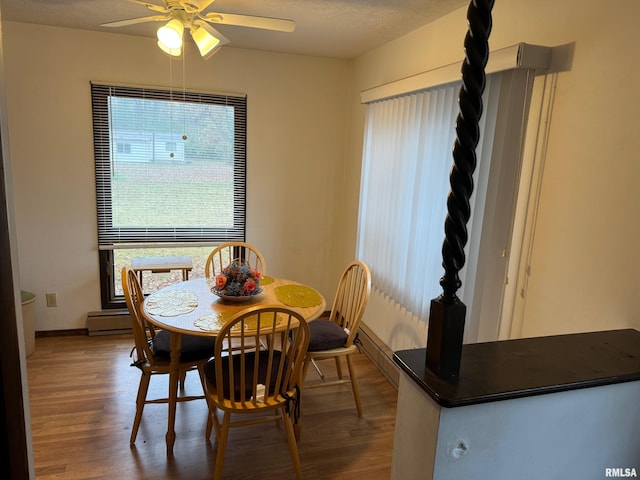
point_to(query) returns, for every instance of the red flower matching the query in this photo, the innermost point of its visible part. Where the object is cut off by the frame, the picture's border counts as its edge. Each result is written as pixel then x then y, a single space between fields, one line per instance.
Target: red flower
pixel 250 286
pixel 256 274
pixel 221 281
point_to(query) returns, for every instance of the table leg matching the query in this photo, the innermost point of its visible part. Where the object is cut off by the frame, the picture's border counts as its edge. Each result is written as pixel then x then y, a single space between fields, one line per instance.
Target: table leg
pixel 174 378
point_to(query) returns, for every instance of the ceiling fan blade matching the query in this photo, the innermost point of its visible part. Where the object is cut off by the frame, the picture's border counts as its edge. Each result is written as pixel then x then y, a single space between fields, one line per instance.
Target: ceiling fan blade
pixel 133 21
pixel 266 23
pixel 152 6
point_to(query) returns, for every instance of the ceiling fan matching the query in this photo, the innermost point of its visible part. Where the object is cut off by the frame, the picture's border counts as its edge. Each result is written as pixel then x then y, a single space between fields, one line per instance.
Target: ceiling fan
pixel 189 14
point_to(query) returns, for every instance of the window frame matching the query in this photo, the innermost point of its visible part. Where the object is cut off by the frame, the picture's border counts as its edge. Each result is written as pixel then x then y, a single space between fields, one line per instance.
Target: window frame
pixel 110 237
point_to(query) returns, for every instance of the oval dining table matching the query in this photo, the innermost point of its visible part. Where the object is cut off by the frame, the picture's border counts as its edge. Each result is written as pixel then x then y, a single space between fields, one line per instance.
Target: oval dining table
pixel 191 308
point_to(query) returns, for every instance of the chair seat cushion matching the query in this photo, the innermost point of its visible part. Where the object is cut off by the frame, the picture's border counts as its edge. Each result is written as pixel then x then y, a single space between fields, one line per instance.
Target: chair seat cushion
pixel 210 372
pixel 193 347
pixel 326 335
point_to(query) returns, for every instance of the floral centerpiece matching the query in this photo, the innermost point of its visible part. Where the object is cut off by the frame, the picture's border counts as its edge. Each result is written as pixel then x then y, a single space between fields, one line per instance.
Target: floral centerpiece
pixel 237 279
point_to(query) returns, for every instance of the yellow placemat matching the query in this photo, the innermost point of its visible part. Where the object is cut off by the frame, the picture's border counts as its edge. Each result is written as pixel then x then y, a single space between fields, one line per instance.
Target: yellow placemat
pixel 212 321
pixel 266 280
pixel 171 303
pixel 251 323
pixel 298 296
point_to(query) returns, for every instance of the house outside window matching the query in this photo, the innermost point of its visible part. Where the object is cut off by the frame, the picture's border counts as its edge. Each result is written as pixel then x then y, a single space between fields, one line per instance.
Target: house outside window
pixel 170 176
pixel 123 148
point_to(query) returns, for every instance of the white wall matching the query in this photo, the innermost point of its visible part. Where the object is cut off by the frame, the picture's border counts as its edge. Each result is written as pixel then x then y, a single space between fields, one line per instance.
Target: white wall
pixel 297 123
pixel 585 260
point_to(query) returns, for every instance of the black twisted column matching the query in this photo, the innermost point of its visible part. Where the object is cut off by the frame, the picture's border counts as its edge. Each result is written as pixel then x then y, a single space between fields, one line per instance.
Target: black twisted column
pixel 447 313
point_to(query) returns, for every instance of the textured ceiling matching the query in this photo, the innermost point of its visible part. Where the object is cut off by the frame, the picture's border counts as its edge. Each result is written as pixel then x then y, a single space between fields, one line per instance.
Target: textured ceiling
pixel 331 28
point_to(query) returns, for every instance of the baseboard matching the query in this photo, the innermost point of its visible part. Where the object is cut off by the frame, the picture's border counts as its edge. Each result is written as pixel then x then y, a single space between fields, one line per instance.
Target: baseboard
pixel 61 333
pixel 108 322
pixel 380 354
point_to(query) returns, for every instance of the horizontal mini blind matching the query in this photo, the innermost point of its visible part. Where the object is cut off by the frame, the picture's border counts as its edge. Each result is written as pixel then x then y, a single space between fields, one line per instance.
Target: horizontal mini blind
pixel 170 166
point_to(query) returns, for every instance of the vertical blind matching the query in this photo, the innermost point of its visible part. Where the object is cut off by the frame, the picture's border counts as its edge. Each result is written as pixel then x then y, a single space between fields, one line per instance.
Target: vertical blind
pixel 405 181
pixel 170 165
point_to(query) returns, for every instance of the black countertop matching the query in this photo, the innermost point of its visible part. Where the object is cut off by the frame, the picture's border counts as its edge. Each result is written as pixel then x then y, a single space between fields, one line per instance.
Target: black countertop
pixel 509 369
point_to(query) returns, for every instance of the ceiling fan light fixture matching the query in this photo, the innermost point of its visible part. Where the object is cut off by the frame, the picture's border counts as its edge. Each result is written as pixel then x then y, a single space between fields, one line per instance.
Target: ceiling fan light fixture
pixel 189 14
pixel 207 43
pixel 174 52
pixel 170 35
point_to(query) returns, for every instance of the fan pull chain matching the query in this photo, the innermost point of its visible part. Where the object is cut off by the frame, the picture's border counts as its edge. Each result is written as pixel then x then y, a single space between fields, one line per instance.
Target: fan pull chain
pixel 171 154
pixel 184 95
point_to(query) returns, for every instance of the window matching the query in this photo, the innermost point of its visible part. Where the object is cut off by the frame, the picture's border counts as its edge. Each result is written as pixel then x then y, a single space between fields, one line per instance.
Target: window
pixel 405 181
pixel 170 172
pixel 124 148
pixel 409 134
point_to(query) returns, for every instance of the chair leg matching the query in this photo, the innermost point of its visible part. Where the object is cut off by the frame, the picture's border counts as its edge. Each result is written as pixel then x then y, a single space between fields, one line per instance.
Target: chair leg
pixel 207 432
pixel 315 365
pixel 203 377
pixel 143 387
pixel 293 447
pixel 354 386
pixel 303 372
pixel 183 378
pixel 222 446
pixel 211 410
pixel 339 367
pixel 213 424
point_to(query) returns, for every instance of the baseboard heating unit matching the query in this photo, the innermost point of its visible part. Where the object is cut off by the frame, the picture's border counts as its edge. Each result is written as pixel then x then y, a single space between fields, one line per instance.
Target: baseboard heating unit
pixel 108 322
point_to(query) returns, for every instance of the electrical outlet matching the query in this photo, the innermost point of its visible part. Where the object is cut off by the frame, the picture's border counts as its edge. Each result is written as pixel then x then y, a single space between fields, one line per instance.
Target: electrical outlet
pixel 52 299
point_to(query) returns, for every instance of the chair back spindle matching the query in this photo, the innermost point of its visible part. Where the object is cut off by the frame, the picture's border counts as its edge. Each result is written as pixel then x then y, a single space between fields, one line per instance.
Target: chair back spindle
pixel 224 254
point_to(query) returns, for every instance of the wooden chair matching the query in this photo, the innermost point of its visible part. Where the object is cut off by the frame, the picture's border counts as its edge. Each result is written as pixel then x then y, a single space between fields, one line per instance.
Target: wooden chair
pixel 242 380
pixel 152 352
pixel 224 254
pixel 336 337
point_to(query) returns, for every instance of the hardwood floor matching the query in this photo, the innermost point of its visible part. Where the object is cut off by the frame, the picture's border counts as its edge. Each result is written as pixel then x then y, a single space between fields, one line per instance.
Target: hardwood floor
pixel 82 403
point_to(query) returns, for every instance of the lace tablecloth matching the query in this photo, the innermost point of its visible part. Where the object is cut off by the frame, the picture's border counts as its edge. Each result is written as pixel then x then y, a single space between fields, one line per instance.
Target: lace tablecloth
pixel 212 321
pixel 171 303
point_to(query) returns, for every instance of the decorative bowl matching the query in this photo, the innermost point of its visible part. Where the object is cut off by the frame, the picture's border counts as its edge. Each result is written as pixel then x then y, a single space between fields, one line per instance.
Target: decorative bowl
pixel 236 298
